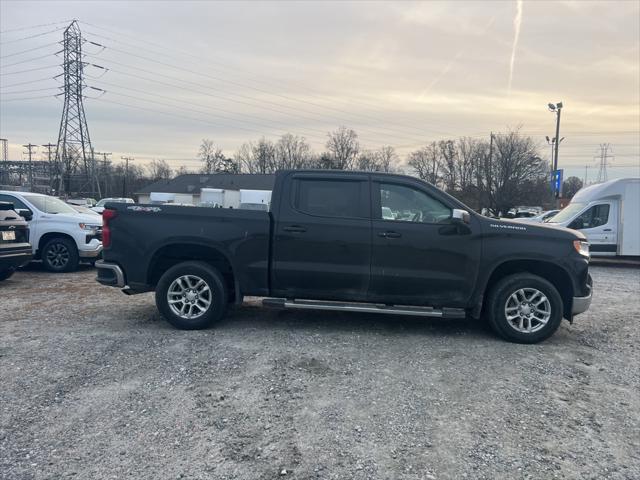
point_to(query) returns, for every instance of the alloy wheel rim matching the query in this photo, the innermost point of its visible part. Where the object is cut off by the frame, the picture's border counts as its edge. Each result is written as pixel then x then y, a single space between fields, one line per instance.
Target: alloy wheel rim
pixel 189 297
pixel 527 310
pixel 58 255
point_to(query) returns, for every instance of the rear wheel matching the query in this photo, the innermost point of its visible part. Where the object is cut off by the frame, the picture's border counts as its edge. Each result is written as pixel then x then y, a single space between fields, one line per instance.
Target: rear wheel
pixel 524 308
pixel 191 295
pixel 60 255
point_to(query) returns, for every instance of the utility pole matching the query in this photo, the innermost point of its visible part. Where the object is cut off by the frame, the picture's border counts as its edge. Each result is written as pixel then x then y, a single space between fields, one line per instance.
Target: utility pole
pixel 586 168
pixel 5 161
pixel 104 169
pixel 126 171
pixel 30 147
pixel 52 167
pixel 489 178
pixel 604 157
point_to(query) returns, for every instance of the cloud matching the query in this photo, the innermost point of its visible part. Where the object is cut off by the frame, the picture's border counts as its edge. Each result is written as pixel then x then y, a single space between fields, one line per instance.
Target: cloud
pixel 517 23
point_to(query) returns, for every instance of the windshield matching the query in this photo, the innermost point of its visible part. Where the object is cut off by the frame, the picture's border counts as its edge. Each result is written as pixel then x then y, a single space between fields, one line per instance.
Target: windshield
pixel 49 204
pixel 568 213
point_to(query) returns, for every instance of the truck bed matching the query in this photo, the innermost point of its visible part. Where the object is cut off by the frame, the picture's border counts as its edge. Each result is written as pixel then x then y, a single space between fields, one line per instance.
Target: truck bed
pixel 143 233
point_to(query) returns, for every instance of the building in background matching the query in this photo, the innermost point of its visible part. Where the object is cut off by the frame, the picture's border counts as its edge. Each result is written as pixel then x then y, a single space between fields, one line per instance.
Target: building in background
pixel 220 189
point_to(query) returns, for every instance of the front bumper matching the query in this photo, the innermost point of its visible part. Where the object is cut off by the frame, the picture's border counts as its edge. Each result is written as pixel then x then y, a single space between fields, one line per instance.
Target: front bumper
pixel 110 274
pixel 91 251
pixel 581 304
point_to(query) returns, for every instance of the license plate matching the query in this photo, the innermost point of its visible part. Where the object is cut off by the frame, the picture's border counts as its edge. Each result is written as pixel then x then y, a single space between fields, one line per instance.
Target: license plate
pixel 8 235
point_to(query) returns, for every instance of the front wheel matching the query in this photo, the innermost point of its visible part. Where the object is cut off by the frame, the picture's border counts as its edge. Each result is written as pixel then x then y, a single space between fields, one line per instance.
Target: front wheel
pixel 191 295
pixel 60 255
pixel 524 308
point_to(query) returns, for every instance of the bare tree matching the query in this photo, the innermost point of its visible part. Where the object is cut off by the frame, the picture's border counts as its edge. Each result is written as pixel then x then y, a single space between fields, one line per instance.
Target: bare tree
pixel 518 174
pixel 211 156
pixel 426 163
pixel 377 161
pixel 343 147
pixel 159 170
pixel 292 151
pixel 259 157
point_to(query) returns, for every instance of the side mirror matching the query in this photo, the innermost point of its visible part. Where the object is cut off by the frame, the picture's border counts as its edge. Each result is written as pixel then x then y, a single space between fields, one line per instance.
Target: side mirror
pixel 460 216
pixel 25 213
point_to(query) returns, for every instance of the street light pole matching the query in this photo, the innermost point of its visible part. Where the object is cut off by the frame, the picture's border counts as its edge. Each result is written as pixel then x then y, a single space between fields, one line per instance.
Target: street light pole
pixel 557 109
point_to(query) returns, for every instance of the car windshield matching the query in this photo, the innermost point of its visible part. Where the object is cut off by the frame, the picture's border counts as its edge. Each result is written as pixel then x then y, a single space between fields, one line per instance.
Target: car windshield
pixel 567 214
pixel 49 204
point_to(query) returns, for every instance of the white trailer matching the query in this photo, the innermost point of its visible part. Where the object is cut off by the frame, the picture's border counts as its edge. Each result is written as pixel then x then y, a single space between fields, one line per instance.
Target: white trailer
pixel 255 199
pixel 608 214
pixel 212 197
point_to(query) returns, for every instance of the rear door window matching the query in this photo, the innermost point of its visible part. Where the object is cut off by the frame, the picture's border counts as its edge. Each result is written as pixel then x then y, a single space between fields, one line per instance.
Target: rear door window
pixel 330 198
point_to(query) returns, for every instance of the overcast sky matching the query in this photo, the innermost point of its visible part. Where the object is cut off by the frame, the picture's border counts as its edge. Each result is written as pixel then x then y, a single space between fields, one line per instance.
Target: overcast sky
pixel 400 74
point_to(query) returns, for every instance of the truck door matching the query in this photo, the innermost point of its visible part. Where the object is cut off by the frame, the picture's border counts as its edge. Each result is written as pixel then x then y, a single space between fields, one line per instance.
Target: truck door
pixel 322 238
pixel 419 256
pixel 599 223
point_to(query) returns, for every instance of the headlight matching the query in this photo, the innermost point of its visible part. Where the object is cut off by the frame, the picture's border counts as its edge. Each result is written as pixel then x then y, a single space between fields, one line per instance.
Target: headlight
pixel 581 247
pixel 86 226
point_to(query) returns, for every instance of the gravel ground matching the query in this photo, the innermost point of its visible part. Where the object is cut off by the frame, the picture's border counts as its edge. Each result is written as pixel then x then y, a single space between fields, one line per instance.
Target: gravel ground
pixel 96 385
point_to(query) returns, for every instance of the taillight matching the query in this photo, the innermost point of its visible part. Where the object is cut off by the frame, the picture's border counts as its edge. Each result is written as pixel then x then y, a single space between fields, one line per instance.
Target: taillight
pixel 107 215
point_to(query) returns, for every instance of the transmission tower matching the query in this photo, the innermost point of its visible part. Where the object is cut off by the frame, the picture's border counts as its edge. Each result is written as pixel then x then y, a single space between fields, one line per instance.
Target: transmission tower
pixel 74 144
pixel 604 157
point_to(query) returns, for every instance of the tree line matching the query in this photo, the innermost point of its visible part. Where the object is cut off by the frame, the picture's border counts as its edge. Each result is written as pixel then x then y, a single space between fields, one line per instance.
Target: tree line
pixel 495 173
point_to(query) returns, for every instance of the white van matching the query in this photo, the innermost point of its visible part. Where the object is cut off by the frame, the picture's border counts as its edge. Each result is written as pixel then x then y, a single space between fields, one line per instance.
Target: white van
pixel 608 214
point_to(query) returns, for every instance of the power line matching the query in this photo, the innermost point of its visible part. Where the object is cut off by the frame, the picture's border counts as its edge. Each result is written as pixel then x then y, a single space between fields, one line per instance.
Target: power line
pixel 28 50
pixel 26 83
pixel 2 100
pixel 260 90
pixel 31 59
pixel 28 91
pixel 31 27
pixel 29 70
pixel 201 60
pixel 295 109
pixel 32 36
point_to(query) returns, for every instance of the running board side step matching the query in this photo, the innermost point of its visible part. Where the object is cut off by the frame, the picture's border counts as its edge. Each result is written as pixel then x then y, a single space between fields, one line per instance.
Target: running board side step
pixel 364 307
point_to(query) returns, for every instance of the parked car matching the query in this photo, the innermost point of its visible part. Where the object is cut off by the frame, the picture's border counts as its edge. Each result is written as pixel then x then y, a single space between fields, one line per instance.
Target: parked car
pixel 99 207
pixel 59 235
pixel 325 244
pixel 542 217
pixel 607 213
pixel 15 250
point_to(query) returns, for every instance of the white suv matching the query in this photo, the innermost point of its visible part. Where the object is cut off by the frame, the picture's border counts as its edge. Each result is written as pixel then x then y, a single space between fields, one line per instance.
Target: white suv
pixel 60 236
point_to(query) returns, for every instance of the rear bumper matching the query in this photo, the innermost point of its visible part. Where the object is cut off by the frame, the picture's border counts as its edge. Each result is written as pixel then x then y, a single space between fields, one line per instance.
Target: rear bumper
pixel 110 274
pixel 15 258
pixel 581 304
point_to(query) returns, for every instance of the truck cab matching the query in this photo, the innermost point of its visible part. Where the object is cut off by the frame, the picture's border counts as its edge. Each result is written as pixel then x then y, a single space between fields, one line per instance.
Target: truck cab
pixel 607 213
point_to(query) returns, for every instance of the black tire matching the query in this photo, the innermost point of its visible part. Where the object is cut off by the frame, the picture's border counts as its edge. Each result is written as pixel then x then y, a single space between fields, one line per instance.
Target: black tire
pixel 4 274
pixel 60 255
pixel 502 292
pixel 203 316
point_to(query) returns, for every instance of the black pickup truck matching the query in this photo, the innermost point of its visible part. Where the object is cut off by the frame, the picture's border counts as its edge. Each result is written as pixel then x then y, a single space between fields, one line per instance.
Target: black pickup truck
pixel 350 241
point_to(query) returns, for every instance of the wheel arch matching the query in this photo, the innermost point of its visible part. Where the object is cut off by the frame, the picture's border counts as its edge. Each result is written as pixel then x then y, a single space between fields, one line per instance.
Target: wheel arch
pixel 45 238
pixel 172 254
pixel 551 272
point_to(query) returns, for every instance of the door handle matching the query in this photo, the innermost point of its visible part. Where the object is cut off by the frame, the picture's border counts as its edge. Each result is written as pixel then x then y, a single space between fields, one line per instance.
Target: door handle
pixel 389 234
pixel 606 230
pixel 295 229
